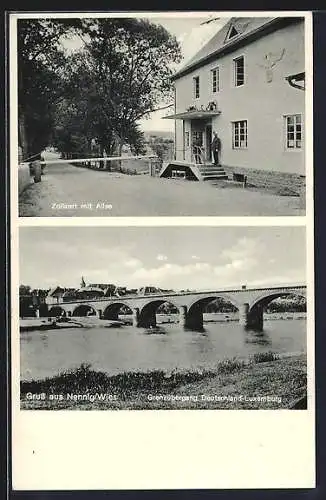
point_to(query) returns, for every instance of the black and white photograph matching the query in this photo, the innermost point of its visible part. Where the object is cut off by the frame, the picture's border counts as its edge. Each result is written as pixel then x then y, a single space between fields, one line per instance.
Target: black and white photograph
pixel 160 115
pixel 162 252
pixel 163 318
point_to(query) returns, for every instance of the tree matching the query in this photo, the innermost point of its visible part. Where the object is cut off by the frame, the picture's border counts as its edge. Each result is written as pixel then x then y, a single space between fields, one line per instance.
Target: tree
pixel 41 61
pixel 24 290
pixel 120 76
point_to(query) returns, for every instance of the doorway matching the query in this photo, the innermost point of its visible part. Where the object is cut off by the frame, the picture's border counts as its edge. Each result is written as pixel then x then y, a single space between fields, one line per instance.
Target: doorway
pixel 209 142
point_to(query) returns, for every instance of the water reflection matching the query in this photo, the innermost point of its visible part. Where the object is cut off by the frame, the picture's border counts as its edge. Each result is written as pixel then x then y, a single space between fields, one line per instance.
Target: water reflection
pixel 155 330
pixel 166 346
pixel 257 337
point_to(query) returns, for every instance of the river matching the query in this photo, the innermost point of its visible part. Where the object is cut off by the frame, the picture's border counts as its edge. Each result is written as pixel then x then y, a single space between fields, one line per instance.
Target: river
pixel 113 350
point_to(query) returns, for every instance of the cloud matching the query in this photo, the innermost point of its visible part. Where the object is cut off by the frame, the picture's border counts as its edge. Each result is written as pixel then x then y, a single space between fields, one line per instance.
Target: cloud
pixel 137 257
pixel 133 263
pixel 241 264
pixel 161 257
pixel 244 248
pixel 195 275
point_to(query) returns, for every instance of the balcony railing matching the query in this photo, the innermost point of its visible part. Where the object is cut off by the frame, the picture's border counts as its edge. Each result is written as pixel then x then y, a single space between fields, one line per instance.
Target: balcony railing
pixel 199 155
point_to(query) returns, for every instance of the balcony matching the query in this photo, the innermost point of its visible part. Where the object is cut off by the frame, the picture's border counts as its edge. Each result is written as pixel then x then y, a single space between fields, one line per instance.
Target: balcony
pixel 194 112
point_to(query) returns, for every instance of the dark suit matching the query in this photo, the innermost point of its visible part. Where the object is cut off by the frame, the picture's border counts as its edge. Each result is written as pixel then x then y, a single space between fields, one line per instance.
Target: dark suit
pixel 216 147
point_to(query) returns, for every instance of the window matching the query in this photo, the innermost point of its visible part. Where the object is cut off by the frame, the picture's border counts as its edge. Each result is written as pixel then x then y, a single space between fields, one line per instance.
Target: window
pixel 215 79
pixel 293 132
pixel 239 75
pixel 240 134
pixel 196 87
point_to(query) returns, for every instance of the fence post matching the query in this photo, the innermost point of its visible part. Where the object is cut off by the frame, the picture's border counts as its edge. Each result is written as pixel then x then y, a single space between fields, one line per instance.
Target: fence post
pixel 36 170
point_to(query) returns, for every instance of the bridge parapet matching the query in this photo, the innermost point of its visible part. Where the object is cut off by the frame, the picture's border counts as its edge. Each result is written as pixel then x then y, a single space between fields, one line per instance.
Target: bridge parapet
pixel 249 302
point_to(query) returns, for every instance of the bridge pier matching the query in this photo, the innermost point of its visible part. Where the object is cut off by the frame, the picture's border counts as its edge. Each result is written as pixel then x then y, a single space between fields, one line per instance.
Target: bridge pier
pixel 148 319
pixel 244 315
pixel 183 310
pixel 195 321
pixel 192 320
pixel 135 317
pixel 253 319
pixel 256 318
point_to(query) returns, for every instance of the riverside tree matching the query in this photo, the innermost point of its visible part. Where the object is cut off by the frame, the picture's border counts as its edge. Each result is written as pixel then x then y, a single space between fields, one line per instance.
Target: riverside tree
pixel 121 74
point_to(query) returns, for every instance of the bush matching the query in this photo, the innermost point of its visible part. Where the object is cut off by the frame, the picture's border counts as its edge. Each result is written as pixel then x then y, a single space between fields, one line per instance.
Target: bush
pixel 262 357
pixel 230 366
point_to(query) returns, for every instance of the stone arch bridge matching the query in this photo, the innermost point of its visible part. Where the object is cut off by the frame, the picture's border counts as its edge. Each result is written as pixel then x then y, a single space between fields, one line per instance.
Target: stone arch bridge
pixel 250 303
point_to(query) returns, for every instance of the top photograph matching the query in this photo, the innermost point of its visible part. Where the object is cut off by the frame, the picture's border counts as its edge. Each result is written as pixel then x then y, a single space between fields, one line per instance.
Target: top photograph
pixel 159 114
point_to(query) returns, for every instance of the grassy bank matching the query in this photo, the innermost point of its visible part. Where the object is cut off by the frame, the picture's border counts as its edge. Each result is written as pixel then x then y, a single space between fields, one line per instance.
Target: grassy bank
pixel 264 381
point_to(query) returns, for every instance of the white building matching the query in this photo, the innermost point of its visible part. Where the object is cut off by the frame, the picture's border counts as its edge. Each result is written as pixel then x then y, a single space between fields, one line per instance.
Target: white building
pixel 242 85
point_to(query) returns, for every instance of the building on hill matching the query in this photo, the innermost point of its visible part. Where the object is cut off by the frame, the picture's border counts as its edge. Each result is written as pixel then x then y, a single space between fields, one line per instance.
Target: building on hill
pixel 246 84
pixel 96 290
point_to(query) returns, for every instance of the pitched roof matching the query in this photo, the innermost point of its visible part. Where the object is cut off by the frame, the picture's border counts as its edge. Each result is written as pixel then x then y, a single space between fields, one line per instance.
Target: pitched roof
pixel 56 289
pixel 236 32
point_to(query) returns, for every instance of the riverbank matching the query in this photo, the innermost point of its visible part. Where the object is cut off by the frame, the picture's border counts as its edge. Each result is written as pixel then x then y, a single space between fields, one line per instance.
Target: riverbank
pixel 41 324
pixel 34 324
pixel 263 381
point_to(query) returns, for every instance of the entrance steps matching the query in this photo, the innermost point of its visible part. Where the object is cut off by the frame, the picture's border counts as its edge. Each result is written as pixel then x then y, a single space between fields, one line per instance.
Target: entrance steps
pixel 192 171
pixel 211 172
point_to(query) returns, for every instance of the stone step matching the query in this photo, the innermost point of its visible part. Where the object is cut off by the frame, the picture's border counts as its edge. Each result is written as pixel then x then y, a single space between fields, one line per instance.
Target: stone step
pixel 214 176
pixel 212 171
pixel 201 171
pixel 207 168
pixel 208 165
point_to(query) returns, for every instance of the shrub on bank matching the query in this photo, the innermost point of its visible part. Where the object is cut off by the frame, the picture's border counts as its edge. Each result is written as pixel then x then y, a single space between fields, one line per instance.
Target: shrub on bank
pixel 262 357
pixel 85 380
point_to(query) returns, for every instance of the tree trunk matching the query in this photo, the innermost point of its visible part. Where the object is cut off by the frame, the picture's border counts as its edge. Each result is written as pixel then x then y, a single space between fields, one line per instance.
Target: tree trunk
pixel 22 139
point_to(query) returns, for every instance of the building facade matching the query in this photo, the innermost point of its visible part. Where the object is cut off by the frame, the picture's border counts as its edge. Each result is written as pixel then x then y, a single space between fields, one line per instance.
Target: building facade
pixel 238 85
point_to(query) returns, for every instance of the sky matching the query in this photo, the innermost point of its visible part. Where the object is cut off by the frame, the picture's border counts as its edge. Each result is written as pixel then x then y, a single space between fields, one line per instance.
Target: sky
pixel 192 35
pixel 176 258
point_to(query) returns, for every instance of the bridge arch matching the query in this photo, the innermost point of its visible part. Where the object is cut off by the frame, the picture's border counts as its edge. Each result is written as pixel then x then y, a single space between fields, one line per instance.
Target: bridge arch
pixel 147 314
pixel 57 311
pixel 196 309
pixel 112 310
pixel 84 310
pixel 202 302
pixel 268 297
pixel 255 311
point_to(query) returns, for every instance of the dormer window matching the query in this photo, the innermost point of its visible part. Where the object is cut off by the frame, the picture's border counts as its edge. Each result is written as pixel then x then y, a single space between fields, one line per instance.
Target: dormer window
pixel 232 33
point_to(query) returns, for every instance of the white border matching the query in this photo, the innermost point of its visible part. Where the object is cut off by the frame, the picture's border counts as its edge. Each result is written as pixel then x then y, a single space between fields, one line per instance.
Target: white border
pixel 163 449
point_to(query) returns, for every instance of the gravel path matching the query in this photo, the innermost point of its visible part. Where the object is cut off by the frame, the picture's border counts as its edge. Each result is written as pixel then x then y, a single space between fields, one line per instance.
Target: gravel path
pixel 67 190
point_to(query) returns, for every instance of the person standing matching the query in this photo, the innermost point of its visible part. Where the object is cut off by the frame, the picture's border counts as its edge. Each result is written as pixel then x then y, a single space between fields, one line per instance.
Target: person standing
pixel 197 149
pixel 216 148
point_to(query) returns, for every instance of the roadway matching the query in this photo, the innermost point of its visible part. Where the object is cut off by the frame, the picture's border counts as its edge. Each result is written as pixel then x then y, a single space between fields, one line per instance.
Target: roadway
pixel 67 190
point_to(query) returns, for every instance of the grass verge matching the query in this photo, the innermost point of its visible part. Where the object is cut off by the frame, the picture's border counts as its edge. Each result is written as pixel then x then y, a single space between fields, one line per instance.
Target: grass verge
pixel 262 382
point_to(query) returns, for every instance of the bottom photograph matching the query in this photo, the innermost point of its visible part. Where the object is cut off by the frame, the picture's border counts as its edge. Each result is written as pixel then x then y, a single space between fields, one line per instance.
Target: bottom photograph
pixel 155 318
